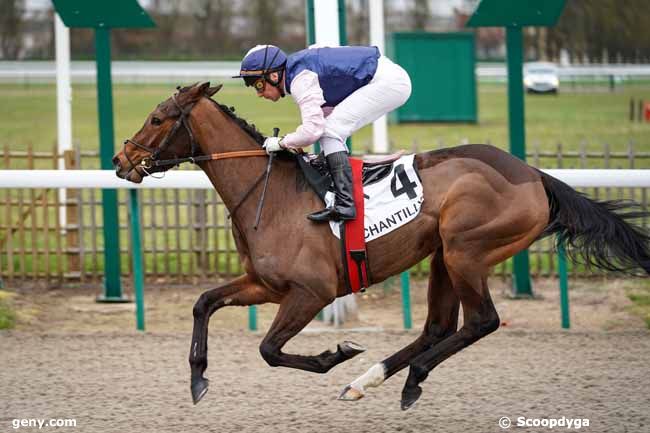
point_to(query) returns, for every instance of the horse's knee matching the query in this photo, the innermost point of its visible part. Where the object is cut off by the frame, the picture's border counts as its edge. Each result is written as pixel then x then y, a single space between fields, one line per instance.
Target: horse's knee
pixel 491 323
pixel 270 353
pixel 201 306
pixel 484 322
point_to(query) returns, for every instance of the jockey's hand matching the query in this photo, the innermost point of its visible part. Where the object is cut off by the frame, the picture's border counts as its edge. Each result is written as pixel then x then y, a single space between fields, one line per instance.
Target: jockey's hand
pixel 272 144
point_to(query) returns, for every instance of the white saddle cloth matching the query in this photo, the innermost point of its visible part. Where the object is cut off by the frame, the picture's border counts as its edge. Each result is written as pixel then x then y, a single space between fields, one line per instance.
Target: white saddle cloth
pixel 391 202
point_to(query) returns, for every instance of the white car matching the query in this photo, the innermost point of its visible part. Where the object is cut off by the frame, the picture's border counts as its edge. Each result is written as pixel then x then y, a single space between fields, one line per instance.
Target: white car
pixel 541 77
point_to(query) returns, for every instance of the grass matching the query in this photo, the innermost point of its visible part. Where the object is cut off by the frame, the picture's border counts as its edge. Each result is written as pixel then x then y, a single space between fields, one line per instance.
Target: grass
pixel 28 115
pixel 7 315
pixel 640 297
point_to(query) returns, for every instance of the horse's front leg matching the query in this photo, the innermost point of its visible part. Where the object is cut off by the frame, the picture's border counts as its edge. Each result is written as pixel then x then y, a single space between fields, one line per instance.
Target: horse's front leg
pixel 244 290
pixel 298 307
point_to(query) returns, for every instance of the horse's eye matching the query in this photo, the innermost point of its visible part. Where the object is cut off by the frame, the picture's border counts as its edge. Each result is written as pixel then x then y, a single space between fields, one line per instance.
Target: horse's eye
pixel 155 121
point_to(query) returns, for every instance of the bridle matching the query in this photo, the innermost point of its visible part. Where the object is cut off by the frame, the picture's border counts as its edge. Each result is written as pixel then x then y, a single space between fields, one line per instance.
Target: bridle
pixel 153 161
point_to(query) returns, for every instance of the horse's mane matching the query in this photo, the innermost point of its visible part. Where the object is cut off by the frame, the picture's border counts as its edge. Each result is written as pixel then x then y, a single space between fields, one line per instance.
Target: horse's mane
pixel 248 128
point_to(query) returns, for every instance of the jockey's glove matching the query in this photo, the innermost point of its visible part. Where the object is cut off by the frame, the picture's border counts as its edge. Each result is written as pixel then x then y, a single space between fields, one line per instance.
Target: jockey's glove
pixel 272 144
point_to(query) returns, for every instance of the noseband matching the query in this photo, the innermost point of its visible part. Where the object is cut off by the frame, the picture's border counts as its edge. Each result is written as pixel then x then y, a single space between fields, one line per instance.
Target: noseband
pixel 153 161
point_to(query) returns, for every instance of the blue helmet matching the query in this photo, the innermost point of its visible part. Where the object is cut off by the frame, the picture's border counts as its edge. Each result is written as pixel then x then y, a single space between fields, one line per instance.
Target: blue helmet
pixel 260 61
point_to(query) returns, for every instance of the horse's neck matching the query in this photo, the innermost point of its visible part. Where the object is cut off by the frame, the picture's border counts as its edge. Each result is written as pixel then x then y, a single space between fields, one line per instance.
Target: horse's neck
pixel 217 133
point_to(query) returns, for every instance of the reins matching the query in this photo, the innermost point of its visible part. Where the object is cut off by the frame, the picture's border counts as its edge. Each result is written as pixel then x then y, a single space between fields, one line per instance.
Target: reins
pixel 200 158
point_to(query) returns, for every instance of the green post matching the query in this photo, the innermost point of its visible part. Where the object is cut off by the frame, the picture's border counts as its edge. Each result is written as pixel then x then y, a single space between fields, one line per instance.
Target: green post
pixel 514 15
pixel 564 285
pixel 310 23
pixel 252 318
pixel 112 287
pixel 136 248
pixel 406 299
pixel 343 31
pixel 514 40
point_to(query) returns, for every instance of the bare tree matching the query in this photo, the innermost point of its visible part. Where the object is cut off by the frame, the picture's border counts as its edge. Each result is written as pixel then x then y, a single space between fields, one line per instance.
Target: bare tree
pixel 212 33
pixel 11 28
pixel 420 14
pixel 265 20
pixel 358 22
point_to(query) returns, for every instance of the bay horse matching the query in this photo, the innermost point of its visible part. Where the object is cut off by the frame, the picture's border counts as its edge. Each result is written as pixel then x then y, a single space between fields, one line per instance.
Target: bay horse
pixel 481 206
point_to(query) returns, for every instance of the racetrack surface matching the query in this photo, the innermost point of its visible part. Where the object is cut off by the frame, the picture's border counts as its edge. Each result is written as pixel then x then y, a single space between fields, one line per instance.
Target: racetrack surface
pixel 128 382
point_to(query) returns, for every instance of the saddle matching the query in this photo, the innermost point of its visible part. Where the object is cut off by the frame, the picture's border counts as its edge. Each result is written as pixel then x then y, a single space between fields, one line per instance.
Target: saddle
pixel 316 172
pixel 353 245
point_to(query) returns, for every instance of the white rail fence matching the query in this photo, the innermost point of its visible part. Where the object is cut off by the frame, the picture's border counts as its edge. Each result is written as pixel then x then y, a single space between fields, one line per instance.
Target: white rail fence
pixel 94 179
pixel 198 180
pixel 177 72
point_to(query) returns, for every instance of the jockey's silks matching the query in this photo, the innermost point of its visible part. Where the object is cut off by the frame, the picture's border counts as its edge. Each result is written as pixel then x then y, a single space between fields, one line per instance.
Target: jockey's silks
pixel 340 70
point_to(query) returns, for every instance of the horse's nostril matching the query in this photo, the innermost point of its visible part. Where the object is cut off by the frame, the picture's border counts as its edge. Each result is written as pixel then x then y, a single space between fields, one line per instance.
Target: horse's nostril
pixel 116 162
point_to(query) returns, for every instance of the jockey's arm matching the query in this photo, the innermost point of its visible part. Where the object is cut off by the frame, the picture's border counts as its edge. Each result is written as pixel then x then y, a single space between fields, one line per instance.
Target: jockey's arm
pixel 306 91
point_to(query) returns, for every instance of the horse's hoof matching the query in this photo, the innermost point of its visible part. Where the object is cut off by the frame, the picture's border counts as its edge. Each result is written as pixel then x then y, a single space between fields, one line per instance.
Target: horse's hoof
pixel 351 394
pixel 199 388
pixel 410 396
pixel 351 349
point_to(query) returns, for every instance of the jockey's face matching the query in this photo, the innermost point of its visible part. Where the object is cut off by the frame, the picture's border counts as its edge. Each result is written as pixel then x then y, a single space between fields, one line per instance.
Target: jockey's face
pixel 268 91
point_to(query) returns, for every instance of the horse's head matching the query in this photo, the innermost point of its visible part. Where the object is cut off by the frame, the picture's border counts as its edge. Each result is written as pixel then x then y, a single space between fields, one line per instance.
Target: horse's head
pixel 165 135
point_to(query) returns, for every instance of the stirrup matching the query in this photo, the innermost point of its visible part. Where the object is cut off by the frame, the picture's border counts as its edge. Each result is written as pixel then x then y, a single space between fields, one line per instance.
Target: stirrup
pixel 323 215
pixel 330 214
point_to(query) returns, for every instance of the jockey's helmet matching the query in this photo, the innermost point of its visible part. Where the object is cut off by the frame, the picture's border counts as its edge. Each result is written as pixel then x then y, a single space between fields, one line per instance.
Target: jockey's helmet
pixel 259 62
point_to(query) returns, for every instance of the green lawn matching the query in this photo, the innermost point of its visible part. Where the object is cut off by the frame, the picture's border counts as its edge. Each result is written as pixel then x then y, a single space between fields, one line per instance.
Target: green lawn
pixel 28 116
pixel 575 119
pixel 7 314
pixel 640 297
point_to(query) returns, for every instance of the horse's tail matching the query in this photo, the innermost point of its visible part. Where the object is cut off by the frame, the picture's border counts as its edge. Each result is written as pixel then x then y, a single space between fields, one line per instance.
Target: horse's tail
pixel 598 232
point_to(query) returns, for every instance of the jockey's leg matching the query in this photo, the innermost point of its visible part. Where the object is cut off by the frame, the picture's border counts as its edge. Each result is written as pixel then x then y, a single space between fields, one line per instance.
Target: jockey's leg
pixel 390 88
pixel 343 208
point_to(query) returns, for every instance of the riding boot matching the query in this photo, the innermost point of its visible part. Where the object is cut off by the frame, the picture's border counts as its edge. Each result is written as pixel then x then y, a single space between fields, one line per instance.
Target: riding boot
pixel 343 208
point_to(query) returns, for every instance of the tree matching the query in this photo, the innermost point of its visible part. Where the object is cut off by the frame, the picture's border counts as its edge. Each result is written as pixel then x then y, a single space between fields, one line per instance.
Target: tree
pixel 420 14
pixel 212 33
pixel 11 28
pixel 266 21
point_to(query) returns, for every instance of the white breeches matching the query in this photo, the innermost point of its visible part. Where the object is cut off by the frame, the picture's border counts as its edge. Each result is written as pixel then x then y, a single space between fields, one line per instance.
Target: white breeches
pixel 389 89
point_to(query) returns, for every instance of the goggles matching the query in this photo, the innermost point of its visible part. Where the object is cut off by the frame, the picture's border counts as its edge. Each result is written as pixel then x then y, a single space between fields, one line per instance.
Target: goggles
pixel 255 81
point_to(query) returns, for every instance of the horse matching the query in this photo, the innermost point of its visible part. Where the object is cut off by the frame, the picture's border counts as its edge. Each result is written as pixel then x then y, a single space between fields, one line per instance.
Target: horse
pixel 481 206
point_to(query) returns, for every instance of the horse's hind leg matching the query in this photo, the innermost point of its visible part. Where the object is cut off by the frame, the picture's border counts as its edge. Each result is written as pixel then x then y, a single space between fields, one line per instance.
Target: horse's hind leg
pixel 242 291
pixel 297 309
pixel 479 319
pixel 442 321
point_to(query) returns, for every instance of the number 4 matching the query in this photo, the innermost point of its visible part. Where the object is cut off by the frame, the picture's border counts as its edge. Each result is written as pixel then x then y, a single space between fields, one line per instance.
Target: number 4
pixel 407 188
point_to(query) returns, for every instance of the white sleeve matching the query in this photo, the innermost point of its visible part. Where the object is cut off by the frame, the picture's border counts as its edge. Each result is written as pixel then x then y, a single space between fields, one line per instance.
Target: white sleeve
pixel 306 91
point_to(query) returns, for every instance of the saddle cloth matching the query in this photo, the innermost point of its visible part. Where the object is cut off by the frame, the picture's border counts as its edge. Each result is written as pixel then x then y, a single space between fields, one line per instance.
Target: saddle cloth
pixel 391 196
pixel 391 200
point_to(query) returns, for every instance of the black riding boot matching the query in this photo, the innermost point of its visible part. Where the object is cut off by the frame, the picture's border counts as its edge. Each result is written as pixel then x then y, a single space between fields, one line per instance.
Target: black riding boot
pixel 343 208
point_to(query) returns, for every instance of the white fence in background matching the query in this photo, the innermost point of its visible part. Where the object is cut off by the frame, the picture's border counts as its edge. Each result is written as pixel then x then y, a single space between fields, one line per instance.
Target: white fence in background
pixel 78 179
pixel 186 179
pixel 190 71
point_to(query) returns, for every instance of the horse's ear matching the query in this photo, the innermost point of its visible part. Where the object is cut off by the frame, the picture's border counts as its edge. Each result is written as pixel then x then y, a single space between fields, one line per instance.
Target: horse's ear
pixel 212 90
pixel 203 87
pixel 196 91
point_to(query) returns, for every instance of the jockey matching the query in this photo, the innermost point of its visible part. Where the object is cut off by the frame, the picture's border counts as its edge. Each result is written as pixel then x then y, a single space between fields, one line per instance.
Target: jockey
pixel 338 90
